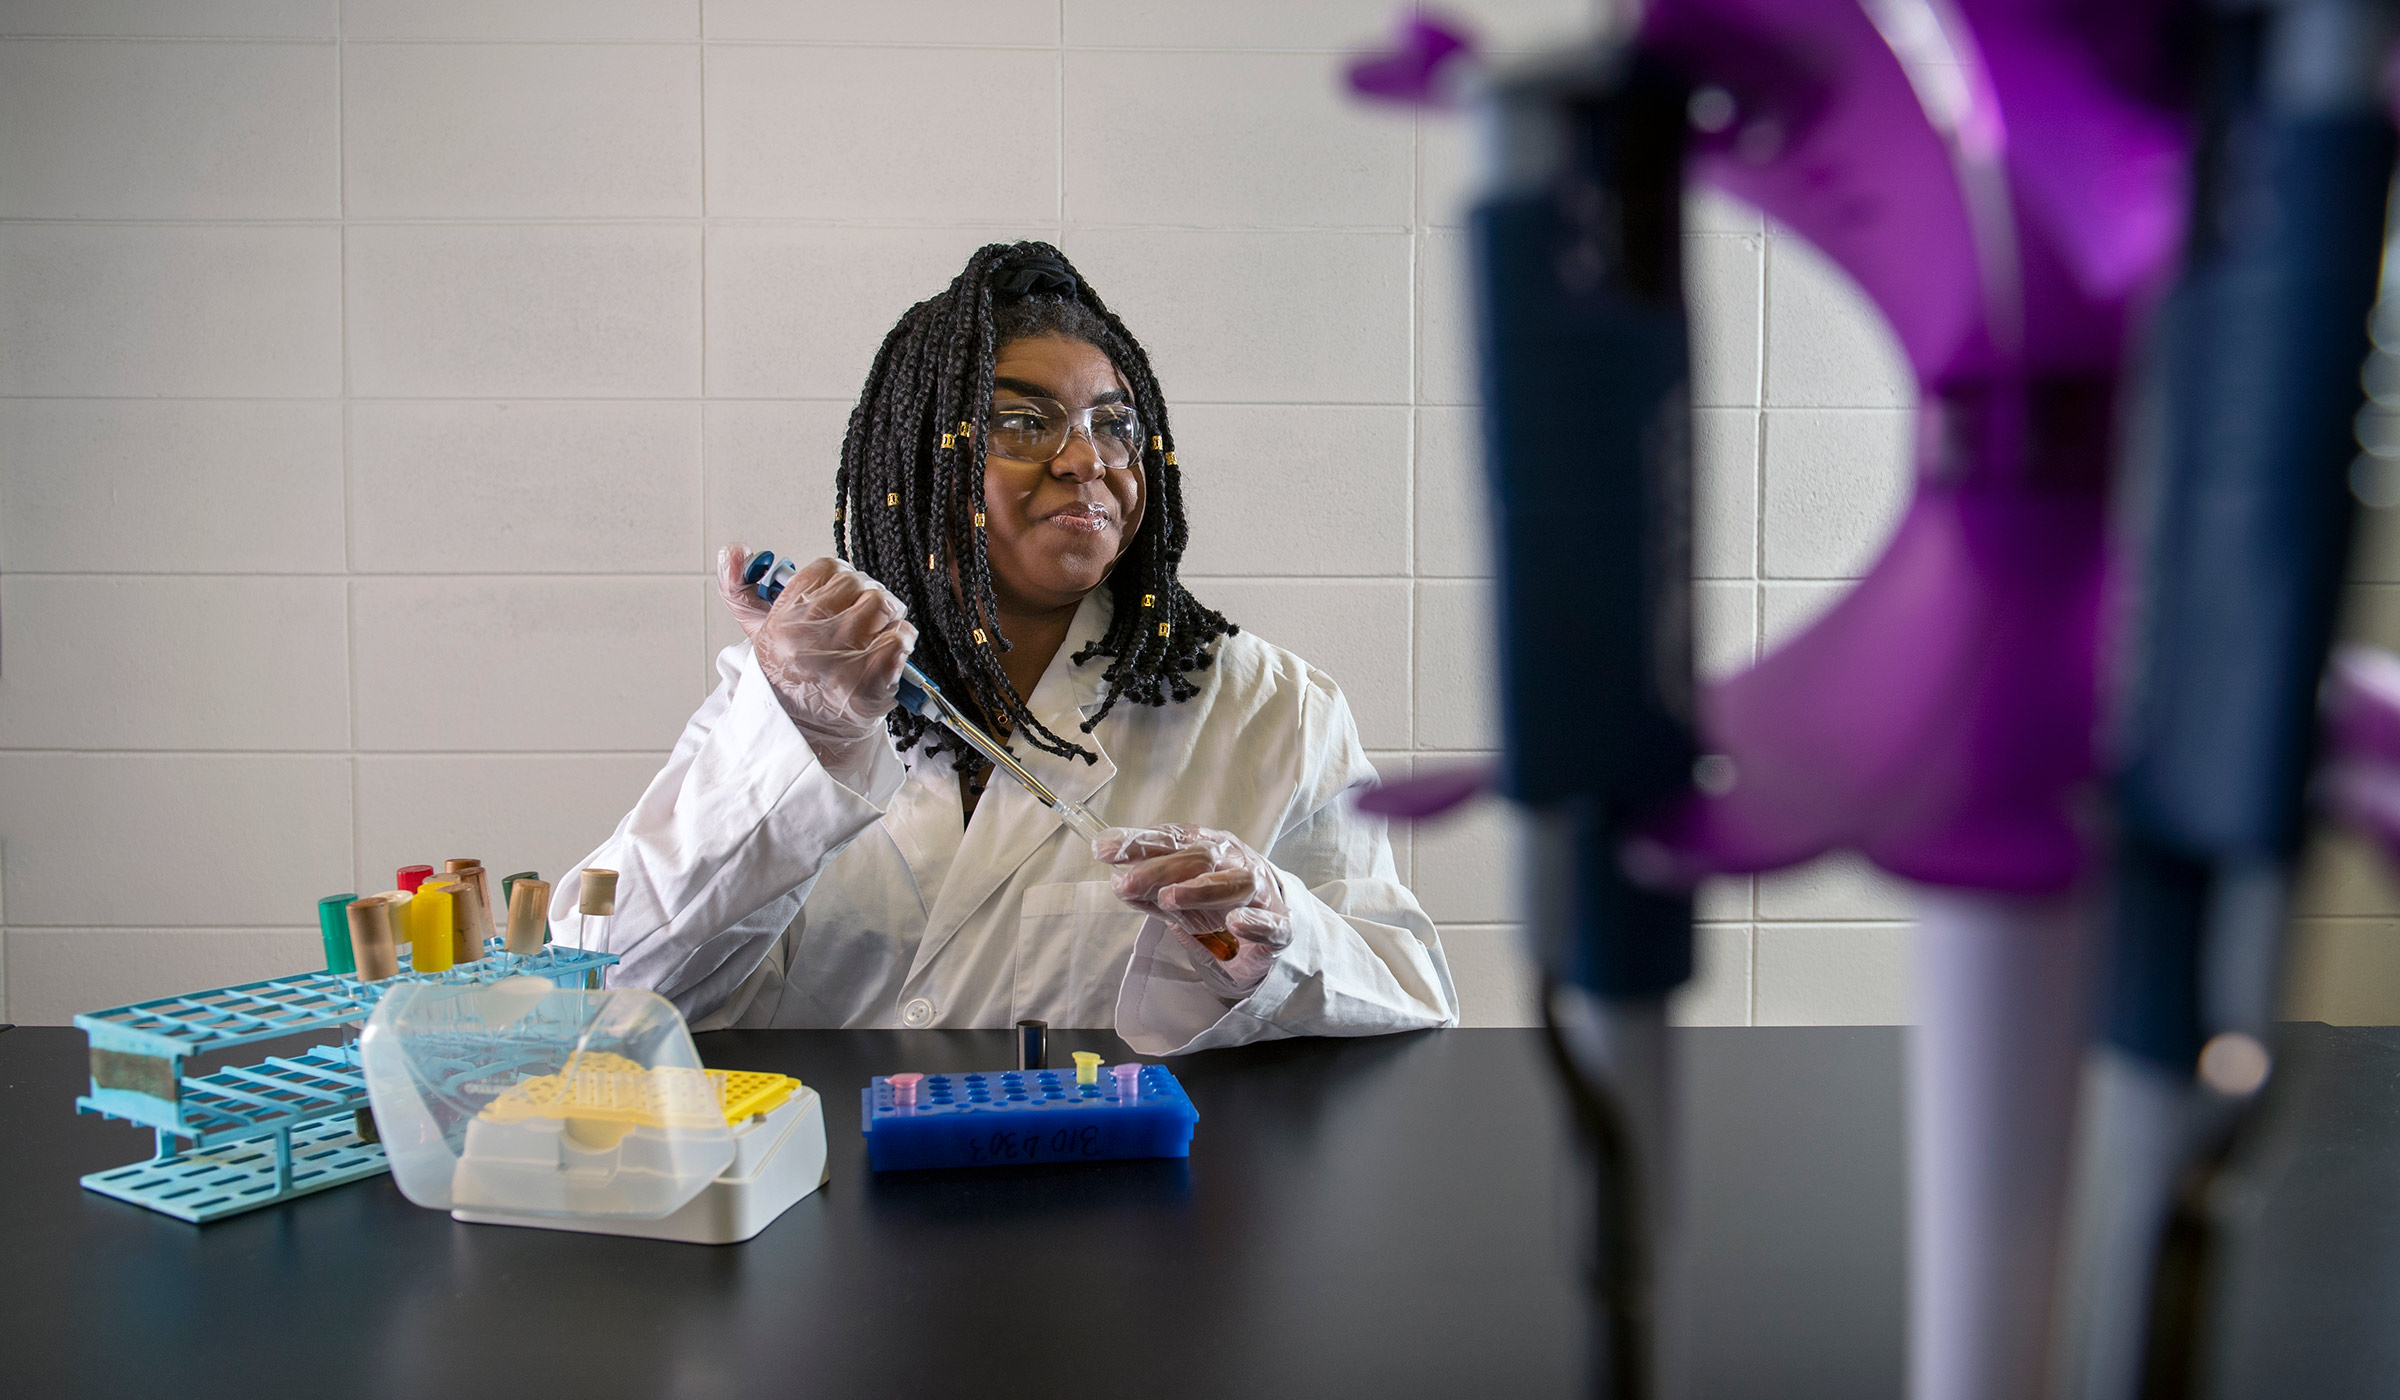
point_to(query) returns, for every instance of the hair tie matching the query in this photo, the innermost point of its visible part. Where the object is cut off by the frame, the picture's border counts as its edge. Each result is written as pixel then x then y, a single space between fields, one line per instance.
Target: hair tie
pixel 1036 274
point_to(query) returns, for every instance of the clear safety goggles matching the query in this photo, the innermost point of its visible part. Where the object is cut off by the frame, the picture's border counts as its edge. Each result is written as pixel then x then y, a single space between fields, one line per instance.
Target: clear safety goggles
pixel 1037 430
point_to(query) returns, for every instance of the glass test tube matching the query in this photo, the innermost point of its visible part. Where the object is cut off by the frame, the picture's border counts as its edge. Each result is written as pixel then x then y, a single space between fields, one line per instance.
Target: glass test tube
pixel 597 902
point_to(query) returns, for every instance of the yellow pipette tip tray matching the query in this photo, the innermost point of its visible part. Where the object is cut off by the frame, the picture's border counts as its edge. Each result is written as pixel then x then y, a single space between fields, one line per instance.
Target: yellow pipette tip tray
pixel 607 1088
pixel 750 1092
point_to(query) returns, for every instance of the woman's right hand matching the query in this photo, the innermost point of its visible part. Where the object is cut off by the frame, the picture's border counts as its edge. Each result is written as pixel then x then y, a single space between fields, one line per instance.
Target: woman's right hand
pixel 831 646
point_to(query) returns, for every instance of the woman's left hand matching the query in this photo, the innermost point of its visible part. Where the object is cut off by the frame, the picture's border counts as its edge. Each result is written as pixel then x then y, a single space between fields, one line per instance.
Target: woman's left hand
pixel 1221 898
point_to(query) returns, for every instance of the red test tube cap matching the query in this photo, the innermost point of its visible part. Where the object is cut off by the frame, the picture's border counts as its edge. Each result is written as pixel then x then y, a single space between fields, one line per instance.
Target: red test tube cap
pixel 411 876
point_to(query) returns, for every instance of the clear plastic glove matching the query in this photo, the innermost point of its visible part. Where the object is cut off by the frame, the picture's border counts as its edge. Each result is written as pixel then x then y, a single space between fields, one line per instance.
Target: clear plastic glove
pixel 831 647
pixel 1205 884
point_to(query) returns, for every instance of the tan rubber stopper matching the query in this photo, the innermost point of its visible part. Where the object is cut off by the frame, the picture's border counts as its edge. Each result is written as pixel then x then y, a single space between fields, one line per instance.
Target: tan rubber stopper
pixel 528 905
pixel 470 918
pixel 471 870
pixel 373 945
pixel 599 895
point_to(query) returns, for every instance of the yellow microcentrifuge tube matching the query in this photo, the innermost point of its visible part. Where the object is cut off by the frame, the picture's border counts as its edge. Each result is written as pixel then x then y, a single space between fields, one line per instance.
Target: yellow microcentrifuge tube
pixel 431 936
pixel 1087 1067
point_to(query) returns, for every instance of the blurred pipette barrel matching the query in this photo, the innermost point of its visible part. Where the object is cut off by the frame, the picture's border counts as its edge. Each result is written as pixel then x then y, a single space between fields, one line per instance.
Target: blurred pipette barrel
pixel 1584 361
pixel 2239 473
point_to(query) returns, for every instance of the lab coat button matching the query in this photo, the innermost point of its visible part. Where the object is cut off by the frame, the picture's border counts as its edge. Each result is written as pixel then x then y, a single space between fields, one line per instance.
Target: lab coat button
pixel 917 1013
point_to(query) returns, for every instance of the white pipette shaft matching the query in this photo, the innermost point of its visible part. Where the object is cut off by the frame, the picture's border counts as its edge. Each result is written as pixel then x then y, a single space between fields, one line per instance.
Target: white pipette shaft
pixel 928 701
pixel 920 696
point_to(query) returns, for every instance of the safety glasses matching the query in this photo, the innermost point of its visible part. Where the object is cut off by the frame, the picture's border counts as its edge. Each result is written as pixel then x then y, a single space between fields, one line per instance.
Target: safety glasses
pixel 1037 430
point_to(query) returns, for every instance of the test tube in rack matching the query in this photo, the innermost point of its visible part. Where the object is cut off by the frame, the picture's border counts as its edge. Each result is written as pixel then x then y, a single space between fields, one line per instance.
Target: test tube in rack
pixel 528 917
pixel 596 901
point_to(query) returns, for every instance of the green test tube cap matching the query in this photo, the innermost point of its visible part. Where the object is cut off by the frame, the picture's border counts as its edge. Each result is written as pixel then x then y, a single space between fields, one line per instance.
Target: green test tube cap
pixel 333 925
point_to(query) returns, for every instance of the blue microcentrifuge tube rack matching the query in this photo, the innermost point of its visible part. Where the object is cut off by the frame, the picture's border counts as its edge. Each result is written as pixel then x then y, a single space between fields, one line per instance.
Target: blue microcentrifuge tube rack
pixel 246 1136
pixel 1021 1117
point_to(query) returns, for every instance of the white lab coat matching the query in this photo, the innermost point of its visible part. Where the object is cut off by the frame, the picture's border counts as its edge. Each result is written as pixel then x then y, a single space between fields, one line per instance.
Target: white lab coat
pixel 757 889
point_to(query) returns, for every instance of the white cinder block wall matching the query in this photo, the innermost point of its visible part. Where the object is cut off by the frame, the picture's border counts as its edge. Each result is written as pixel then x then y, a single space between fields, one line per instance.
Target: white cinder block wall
pixel 378 377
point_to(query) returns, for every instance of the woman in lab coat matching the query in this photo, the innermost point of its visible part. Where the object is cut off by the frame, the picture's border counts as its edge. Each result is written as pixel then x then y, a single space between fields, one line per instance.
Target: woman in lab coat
pixel 1010 513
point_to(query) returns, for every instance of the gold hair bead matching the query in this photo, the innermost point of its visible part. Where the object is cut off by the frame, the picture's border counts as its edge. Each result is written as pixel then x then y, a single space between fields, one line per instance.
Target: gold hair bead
pixel 837 515
pixel 1170 459
pixel 1149 600
pixel 965 428
pixel 1164 628
pixel 892 499
pixel 979 520
pixel 949 441
pixel 929 561
pixel 979 637
pixel 1158 444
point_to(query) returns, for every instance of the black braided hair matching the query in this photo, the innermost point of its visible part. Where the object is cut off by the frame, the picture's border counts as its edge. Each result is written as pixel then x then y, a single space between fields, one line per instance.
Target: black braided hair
pixel 908 500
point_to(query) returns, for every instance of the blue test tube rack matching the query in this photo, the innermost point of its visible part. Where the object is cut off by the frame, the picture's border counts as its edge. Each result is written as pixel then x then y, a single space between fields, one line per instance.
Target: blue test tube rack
pixel 1021 1117
pixel 246 1136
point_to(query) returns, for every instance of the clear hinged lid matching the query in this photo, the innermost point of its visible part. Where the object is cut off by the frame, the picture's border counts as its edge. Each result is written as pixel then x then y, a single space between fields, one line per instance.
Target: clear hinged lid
pixel 524 1097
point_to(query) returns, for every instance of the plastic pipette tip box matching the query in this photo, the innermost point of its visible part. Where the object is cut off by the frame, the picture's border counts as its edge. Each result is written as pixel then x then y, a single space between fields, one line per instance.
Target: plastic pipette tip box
pixel 1016 1117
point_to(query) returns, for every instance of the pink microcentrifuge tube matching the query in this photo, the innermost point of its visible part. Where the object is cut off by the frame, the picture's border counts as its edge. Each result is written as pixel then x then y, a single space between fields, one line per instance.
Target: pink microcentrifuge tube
pixel 1129 1081
pixel 904 1089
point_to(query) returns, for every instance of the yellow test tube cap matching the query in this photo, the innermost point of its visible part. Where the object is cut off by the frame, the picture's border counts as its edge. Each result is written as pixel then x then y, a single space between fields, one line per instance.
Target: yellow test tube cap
pixel 431 936
pixel 1087 1067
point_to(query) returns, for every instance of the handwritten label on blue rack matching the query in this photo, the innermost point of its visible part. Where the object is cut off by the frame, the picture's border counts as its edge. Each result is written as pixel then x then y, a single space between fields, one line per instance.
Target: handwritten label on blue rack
pixel 1028 1147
